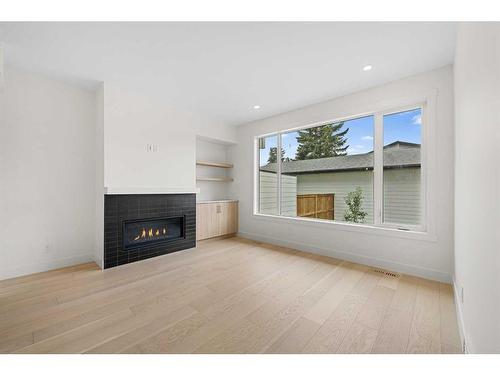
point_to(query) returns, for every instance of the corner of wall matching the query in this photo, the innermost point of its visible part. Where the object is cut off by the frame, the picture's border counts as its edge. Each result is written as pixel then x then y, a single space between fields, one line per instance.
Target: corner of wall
pixel 464 339
pixel 99 188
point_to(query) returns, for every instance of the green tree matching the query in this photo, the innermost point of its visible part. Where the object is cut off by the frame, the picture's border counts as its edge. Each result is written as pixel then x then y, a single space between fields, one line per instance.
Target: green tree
pixel 322 142
pixel 354 212
pixel 273 155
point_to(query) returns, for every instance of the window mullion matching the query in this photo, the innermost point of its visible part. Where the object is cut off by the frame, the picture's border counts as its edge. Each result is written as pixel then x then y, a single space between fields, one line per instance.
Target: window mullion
pixel 278 169
pixel 378 170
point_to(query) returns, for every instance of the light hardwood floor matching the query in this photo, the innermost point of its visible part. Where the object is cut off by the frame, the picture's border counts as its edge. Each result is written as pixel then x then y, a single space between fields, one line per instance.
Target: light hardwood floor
pixel 227 296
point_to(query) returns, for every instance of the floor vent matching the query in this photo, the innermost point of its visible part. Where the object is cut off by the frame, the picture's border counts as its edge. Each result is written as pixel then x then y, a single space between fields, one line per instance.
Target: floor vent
pixel 387 273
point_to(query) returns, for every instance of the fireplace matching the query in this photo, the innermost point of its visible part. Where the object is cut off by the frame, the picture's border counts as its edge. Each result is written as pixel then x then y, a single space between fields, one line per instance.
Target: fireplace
pixel 141 226
pixel 152 231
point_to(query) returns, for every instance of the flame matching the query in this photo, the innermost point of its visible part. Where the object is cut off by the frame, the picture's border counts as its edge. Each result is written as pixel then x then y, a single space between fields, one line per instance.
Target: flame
pixel 150 232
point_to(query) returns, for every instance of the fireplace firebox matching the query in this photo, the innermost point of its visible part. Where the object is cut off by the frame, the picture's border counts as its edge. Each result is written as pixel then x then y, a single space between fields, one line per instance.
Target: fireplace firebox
pixel 141 226
pixel 138 233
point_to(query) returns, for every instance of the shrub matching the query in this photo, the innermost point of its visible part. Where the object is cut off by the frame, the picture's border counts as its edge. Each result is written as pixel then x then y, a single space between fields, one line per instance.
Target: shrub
pixel 354 212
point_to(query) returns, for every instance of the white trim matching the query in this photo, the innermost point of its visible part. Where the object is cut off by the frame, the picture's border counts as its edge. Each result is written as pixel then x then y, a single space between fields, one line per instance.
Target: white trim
pixel 278 164
pixel 378 169
pixel 148 190
pixel 460 319
pixel 409 269
pixel 98 260
pixel 429 173
pixel 256 168
pixel 352 227
pixel 52 264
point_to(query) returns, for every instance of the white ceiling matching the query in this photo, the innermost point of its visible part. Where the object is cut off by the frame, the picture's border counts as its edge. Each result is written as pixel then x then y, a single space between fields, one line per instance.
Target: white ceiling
pixel 222 70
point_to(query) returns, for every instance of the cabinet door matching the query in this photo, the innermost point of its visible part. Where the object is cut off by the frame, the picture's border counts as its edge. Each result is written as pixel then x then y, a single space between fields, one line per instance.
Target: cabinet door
pixel 216 219
pixel 206 221
pixel 232 217
pixel 228 218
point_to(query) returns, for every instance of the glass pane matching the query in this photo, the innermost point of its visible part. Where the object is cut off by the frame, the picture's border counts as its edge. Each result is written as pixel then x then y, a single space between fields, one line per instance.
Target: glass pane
pixel 327 171
pixel 402 141
pixel 268 182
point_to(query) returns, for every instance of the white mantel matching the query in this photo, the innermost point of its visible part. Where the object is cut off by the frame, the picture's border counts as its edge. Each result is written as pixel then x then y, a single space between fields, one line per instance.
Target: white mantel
pixel 148 190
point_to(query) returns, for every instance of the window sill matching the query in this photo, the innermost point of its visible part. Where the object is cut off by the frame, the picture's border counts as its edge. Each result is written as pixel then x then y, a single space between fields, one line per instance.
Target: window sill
pixel 350 227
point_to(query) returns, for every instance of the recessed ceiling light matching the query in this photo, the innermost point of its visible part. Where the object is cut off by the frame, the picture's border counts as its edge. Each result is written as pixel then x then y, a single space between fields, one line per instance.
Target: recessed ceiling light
pixel 256 106
pixel 367 68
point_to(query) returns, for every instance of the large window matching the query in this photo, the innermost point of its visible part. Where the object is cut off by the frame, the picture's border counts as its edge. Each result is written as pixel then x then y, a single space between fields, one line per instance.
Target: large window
pixel 363 170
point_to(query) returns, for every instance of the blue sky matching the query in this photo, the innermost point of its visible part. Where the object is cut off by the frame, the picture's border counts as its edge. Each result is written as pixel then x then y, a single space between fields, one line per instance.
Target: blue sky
pixel 403 126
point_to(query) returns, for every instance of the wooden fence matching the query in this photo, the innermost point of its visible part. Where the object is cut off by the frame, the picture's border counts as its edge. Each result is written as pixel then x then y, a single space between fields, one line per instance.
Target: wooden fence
pixel 320 206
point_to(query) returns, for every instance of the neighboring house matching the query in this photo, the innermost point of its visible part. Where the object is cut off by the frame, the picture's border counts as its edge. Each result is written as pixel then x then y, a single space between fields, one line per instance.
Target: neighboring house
pixel 341 175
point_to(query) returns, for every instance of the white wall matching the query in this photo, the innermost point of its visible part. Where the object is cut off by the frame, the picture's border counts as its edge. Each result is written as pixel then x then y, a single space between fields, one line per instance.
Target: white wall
pixel 477 184
pixel 47 174
pixel 430 256
pixel 135 117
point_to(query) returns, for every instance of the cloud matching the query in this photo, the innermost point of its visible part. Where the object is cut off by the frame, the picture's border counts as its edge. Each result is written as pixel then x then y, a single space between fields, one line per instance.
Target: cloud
pixel 417 119
pixel 367 138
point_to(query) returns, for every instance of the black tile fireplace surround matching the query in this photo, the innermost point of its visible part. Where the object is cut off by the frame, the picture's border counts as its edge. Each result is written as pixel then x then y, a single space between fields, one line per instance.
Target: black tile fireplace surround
pixel 141 226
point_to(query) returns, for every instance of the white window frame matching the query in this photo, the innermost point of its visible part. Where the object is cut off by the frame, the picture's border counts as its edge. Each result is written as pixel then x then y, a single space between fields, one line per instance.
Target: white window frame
pixel 427 103
pixel 379 131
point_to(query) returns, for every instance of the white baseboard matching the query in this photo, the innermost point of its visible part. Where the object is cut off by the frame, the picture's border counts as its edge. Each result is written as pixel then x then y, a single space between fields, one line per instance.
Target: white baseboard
pixel 27 269
pixel 99 262
pixel 466 344
pixel 426 273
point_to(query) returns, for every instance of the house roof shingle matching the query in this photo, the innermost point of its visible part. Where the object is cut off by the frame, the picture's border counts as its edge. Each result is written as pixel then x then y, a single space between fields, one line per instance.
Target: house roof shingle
pixel 396 155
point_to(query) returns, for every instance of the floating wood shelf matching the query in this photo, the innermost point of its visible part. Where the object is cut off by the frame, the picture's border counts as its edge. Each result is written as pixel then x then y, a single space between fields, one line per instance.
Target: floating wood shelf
pixel 213 164
pixel 218 179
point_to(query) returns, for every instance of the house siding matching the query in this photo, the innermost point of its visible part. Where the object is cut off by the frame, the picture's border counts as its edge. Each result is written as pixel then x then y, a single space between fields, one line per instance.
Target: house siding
pixel 269 191
pixel 402 196
pixel 401 192
pixel 340 184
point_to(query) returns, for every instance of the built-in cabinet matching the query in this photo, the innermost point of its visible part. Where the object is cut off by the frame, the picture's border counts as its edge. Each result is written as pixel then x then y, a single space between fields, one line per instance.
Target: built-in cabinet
pixel 216 218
